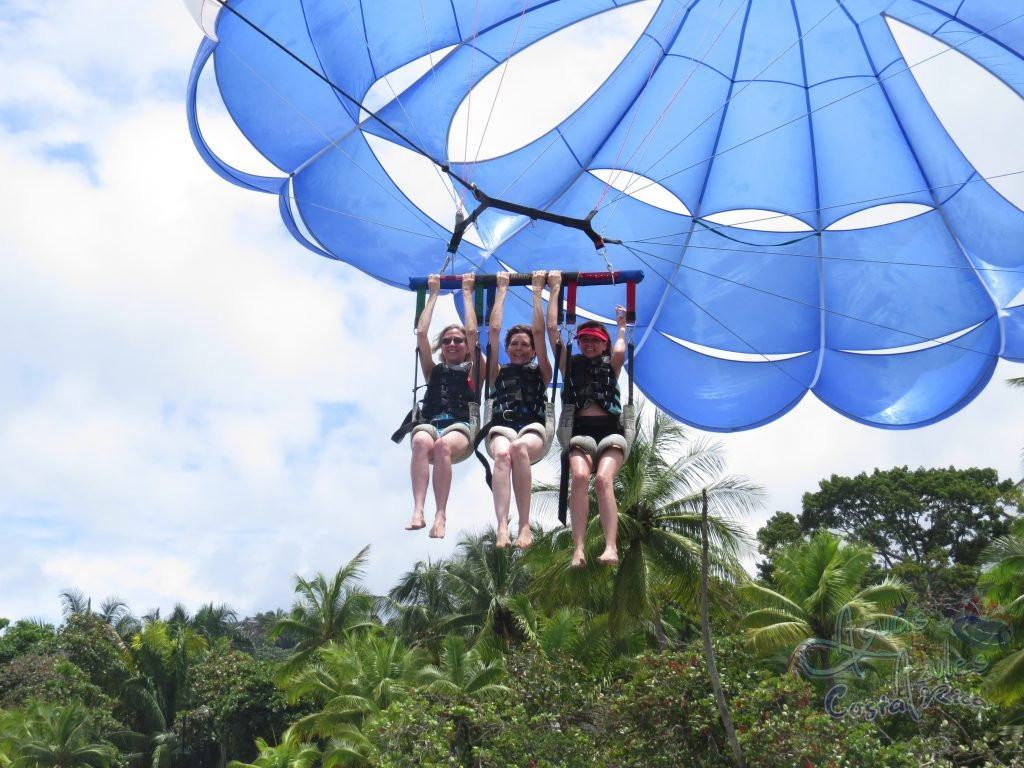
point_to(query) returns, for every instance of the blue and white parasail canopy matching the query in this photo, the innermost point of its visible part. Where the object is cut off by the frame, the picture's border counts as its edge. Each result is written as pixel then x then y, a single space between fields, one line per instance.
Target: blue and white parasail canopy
pixel 814 202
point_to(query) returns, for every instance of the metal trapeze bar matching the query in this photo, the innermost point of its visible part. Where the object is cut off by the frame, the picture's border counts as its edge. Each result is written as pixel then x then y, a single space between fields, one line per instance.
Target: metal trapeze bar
pixel 525 278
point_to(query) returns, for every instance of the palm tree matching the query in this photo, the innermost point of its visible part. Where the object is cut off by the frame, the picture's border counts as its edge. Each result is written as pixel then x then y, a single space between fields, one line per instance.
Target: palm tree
pixel 568 630
pixel 60 738
pixel 290 753
pixel 162 655
pixel 360 674
pixel 113 611
pixel 1004 582
pixel 659 499
pixel 210 622
pixel 327 610
pixel 483 580
pixel 1018 382
pixel 464 674
pixel 820 598
pixel 420 602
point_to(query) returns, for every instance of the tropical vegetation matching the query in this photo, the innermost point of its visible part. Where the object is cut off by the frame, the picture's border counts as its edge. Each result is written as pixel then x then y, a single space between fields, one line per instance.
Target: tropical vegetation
pixel 884 628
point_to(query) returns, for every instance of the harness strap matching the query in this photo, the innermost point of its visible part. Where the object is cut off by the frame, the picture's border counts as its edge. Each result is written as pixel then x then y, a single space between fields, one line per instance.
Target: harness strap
pixel 570 309
pixel 563 487
pixel 411 420
pixel 481 436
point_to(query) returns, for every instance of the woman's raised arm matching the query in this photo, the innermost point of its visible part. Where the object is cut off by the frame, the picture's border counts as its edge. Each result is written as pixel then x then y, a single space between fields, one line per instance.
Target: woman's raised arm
pixel 423 325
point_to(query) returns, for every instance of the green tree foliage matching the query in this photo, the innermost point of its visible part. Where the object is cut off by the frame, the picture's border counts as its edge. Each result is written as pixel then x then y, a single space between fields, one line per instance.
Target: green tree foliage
pixel 24 637
pixel 659 496
pixel 568 631
pixel 210 621
pixel 420 603
pixel 781 529
pixel 482 581
pixel 351 679
pixel 95 647
pixel 908 515
pixel 1004 581
pixel 820 584
pixel 161 658
pixel 230 702
pixel 463 673
pixel 327 610
pixel 44 736
pixel 48 678
pixel 290 753
pixel 113 611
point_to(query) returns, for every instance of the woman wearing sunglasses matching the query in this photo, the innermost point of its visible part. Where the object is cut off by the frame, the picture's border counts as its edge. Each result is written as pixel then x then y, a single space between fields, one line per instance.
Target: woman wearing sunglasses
pixel 597 446
pixel 443 436
pixel 517 438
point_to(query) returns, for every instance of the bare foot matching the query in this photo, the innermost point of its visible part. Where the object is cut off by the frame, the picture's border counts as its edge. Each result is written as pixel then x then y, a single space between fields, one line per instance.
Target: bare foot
pixel 578 560
pixel 503 541
pixel 417 522
pixel 525 538
pixel 437 529
pixel 609 557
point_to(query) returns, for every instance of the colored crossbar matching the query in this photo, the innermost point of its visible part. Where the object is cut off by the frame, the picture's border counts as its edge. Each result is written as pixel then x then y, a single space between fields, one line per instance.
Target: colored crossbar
pixel 628 276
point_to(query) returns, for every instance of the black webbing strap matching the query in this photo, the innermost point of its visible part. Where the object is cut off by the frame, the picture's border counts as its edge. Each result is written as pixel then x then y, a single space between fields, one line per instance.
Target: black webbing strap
pixel 481 435
pixel 412 418
pixel 563 482
pixel 563 487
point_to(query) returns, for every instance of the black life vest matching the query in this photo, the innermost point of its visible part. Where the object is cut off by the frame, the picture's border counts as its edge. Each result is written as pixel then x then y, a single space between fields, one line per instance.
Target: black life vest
pixel 449 393
pixel 519 394
pixel 591 380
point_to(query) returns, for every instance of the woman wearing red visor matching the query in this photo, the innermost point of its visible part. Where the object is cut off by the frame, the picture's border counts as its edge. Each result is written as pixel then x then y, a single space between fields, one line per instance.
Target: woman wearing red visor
pixel 592 386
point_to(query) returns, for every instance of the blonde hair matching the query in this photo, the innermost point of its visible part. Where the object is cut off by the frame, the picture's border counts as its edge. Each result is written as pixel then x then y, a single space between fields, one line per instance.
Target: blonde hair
pixel 465 340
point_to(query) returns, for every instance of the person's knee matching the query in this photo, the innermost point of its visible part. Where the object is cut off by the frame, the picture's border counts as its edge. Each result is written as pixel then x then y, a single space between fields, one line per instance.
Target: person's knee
pixel 580 472
pixel 605 480
pixel 442 450
pixel 502 458
pixel 421 443
pixel 520 452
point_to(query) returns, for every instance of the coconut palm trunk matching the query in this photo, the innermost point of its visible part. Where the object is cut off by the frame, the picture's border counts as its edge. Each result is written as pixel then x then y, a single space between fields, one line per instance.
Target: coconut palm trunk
pixel 709 651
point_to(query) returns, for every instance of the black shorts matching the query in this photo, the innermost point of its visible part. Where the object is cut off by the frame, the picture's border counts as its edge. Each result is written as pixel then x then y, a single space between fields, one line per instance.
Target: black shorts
pixel 597 427
pixel 518 422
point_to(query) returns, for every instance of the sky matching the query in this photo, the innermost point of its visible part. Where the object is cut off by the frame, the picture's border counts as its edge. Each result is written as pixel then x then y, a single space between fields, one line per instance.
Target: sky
pixel 195 409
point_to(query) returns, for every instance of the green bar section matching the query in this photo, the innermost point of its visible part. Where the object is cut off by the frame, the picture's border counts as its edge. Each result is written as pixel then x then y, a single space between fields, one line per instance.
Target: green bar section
pixel 421 302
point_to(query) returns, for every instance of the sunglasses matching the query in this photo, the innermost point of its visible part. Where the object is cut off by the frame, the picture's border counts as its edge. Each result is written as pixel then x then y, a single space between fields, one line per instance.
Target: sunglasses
pixel 452 340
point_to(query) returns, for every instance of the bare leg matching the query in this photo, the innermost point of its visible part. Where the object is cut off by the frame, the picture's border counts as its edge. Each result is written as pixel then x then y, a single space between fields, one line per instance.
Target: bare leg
pixel 452 444
pixel 579 466
pixel 500 487
pixel 607 467
pixel 524 450
pixel 419 469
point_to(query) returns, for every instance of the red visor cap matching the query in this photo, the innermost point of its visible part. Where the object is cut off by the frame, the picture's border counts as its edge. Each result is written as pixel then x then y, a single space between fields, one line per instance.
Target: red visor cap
pixel 597 333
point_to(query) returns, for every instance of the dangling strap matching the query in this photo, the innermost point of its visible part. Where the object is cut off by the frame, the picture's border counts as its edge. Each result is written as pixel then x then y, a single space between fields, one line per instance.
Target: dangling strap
pixel 412 417
pixel 481 435
pixel 563 487
pixel 554 372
